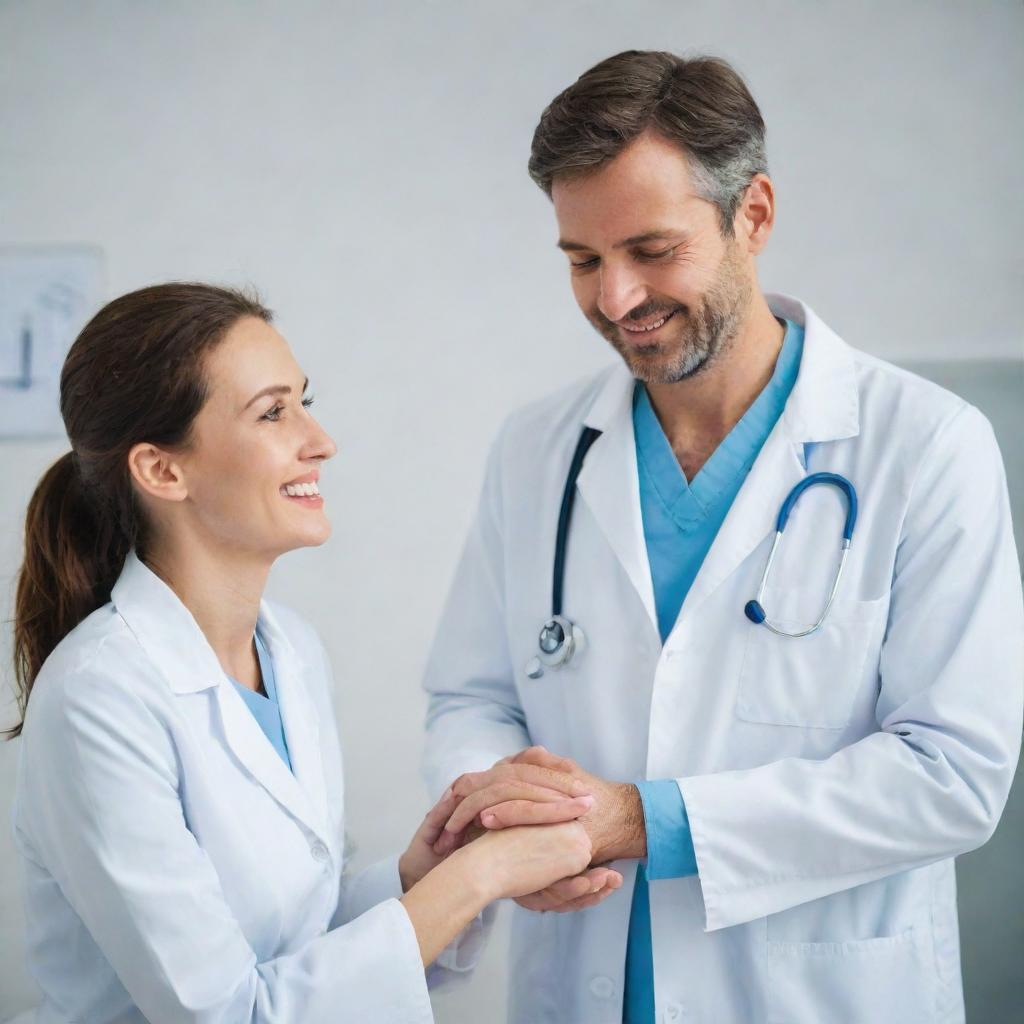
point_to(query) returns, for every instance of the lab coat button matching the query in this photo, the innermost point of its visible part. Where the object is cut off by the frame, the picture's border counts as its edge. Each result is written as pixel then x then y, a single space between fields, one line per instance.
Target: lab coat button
pixel 602 987
pixel 319 851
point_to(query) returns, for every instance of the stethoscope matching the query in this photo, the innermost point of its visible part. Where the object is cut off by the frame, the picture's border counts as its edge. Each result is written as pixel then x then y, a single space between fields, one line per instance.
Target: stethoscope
pixel 561 639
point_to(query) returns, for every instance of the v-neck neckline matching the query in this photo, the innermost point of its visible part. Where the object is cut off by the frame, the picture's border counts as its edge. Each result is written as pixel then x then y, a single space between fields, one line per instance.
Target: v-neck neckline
pixel 690 503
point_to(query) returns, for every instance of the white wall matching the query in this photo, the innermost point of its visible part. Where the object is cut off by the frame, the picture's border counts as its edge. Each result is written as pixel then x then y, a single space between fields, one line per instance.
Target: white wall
pixel 364 165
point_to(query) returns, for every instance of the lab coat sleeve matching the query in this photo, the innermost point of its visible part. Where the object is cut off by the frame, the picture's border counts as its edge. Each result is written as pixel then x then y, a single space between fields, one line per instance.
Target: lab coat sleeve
pixel 474 716
pixel 106 801
pixel 932 782
pixel 381 881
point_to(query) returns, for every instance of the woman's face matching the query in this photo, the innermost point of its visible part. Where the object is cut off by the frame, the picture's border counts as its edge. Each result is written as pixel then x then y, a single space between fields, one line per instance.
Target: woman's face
pixel 253 466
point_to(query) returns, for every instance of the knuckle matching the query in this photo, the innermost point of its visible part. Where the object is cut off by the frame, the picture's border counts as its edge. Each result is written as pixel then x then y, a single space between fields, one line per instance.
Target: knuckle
pixel 463 785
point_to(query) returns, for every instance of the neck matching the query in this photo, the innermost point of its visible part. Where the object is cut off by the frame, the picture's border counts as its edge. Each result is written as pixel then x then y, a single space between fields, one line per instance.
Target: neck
pixel 698 412
pixel 222 589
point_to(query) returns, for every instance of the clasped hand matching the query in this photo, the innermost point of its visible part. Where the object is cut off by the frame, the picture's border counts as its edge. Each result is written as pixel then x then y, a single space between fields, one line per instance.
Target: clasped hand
pixel 537 788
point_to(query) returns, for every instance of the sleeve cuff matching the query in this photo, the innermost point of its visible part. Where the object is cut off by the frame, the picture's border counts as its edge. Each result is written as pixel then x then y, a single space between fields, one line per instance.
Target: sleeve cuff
pixel 365 889
pixel 670 852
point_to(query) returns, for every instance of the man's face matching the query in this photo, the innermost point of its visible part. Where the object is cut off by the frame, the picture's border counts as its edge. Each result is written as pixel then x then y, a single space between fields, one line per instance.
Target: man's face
pixel 650 267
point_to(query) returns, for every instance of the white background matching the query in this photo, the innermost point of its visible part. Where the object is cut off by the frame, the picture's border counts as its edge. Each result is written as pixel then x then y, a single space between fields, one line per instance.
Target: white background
pixel 364 166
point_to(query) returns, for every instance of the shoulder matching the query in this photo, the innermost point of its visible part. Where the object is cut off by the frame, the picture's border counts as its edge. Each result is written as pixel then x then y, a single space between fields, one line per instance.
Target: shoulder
pixel 98 669
pixel 553 421
pixel 924 428
pixel 561 409
pixel 917 405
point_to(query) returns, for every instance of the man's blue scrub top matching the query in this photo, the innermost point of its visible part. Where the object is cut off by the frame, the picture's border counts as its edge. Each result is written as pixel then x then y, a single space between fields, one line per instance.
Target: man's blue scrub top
pixel 680 522
pixel 266 710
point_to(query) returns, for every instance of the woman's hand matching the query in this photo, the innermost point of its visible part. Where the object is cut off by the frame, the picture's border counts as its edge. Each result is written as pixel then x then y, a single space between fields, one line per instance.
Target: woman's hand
pixel 420 857
pixel 516 861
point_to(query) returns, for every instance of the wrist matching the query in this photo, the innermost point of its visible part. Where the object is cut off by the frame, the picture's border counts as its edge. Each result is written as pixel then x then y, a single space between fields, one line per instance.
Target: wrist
pixel 475 873
pixel 627 838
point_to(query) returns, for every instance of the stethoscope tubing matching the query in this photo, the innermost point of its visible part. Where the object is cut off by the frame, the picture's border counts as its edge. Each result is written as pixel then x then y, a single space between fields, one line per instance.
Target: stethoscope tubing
pixel 560 638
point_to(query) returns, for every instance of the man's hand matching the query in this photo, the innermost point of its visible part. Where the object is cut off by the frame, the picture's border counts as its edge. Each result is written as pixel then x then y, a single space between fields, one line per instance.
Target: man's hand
pixel 528 794
pixel 611 812
pixel 575 893
pixel 615 823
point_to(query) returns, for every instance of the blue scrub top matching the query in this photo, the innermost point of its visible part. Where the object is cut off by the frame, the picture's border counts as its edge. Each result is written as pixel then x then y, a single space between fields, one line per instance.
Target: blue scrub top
pixel 265 709
pixel 681 521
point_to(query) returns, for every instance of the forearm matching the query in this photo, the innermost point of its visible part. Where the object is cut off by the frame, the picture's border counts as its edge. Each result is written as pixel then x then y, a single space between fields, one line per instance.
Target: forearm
pixel 442 903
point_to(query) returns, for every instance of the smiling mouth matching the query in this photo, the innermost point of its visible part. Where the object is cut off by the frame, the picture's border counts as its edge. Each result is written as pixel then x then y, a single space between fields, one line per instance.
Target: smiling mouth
pixel 305 494
pixel 648 328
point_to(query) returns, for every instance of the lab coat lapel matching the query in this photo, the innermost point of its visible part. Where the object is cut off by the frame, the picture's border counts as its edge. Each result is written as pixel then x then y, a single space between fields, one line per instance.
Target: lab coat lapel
pixel 259 758
pixel 823 406
pixel 172 639
pixel 293 672
pixel 609 484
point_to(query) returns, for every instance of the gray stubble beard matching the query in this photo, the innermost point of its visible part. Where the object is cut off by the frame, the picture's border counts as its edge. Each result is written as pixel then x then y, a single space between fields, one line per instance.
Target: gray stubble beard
pixel 708 334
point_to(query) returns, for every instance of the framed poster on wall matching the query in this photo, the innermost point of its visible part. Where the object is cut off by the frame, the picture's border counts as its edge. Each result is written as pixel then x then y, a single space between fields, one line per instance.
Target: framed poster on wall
pixel 47 294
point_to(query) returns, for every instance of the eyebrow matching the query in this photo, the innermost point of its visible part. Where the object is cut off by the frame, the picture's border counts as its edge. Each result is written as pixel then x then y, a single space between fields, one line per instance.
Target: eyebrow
pixel 647 236
pixel 274 389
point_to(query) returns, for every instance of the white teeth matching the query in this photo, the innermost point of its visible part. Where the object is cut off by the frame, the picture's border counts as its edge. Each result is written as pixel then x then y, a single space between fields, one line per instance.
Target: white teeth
pixel 301 490
pixel 652 327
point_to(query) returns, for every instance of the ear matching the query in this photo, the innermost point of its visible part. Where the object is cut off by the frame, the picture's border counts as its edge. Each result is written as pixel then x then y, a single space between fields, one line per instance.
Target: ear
pixel 755 215
pixel 157 473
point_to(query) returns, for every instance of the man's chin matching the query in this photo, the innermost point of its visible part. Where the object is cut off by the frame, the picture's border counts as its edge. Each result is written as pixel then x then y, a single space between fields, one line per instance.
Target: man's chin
pixel 654 364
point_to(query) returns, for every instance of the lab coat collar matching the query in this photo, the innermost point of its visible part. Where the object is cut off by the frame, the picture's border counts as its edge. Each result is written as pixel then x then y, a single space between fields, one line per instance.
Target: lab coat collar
pixel 180 652
pixel 823 406
pixel 165 628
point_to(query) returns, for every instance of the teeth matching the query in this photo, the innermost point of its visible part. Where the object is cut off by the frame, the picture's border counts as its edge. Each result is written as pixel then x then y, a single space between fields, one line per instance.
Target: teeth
pixel 301 490
pixel 652 327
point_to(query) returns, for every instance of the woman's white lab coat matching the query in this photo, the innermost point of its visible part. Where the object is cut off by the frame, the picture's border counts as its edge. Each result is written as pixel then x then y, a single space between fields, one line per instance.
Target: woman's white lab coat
pixel 176 870
pixel 830 780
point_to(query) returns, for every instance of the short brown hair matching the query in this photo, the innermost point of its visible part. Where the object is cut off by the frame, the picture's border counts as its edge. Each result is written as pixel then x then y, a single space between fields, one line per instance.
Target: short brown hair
pixel 699 103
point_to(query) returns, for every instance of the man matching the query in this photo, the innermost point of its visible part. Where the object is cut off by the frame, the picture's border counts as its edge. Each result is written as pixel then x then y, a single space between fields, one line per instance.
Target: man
pixel 784 809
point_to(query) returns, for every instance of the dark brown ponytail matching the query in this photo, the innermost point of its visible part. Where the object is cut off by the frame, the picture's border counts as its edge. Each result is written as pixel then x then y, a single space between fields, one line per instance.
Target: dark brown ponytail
pixel 133 375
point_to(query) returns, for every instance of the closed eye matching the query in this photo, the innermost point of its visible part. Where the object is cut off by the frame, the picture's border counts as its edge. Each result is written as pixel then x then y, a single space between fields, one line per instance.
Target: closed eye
pixel 654 257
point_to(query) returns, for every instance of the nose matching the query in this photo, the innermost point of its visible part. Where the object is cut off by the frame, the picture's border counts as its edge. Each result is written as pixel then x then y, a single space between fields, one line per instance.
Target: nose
pixel 621 289
pixel 319 445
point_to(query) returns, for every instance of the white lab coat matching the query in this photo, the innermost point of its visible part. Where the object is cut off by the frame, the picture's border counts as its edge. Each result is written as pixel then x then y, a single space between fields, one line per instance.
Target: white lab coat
pixel 175 869
pixel 831 780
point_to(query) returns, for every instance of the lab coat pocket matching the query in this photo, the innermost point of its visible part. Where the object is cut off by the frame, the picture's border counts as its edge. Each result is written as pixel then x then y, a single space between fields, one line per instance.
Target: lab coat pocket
pixel 865 981
pixel 808 681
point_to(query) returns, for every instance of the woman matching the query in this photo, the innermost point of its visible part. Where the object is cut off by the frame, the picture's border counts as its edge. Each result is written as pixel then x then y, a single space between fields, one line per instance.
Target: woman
pixel 179 803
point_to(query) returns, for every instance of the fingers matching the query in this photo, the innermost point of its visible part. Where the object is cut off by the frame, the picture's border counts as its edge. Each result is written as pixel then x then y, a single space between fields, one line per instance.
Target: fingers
pixel 538 901
pixel 530 812
pixel 433 823
pixel 576 893
pixel 534 774
pixel 497 793
pixel 545 759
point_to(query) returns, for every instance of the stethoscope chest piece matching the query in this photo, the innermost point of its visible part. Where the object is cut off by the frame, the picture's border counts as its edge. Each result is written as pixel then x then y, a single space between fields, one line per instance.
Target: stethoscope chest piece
pixel 558 642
